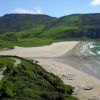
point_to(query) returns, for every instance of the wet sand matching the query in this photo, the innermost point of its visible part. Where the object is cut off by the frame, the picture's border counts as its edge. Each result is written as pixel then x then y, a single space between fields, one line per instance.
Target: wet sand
pixel 87 63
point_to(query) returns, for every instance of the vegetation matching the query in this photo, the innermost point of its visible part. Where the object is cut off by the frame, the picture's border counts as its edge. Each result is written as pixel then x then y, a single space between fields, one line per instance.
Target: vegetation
pixel 27 23
pixel 29 81
pixel 36 30
pixel 21 22
pixel 5 61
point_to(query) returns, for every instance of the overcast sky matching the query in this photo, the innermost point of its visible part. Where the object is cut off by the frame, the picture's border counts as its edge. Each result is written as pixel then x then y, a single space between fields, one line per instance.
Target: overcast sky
pixel 55 8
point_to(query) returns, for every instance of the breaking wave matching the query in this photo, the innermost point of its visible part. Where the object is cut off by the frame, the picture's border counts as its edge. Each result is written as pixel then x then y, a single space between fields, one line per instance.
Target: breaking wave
pixel 90 48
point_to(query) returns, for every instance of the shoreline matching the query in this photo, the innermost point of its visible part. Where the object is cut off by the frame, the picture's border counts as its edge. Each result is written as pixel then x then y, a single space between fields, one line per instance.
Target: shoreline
pixel 86 63
pixel 74 77
pixel 69 74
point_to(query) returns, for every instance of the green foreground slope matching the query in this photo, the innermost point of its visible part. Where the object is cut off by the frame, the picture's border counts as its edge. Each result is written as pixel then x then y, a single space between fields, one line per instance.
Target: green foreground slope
pixel 4 61
pixel 29 81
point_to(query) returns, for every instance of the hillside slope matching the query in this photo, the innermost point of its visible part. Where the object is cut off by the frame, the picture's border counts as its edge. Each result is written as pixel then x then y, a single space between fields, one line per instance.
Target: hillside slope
pixel 74 26
pixel 36 30
pixel 20 22
pixel 29 81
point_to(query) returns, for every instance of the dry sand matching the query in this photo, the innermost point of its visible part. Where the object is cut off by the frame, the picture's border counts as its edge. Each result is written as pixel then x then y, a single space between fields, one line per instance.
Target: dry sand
pixel 67 73
pixel 54 50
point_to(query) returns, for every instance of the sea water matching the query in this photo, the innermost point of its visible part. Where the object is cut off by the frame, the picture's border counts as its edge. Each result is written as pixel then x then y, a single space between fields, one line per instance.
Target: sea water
pixel 95 48
pixel 85 57
pixel 89 53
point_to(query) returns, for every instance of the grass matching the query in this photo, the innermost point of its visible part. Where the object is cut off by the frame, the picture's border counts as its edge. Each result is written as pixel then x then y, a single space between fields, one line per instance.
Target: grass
pixel 38 41
pixel 26 33
pixel 62 29
pixel 5 61
pixel 29 81
pixel 26 42
pixel 57 30
pixel 31 32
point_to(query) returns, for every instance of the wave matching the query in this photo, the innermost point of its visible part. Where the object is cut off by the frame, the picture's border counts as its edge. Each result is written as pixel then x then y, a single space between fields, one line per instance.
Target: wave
pixel 90 48
pixel 98 52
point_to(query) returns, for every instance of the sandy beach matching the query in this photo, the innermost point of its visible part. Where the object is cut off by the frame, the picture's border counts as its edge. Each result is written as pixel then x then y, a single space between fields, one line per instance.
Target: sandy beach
pixel 48 56
pixel 73 77
pixel 54 50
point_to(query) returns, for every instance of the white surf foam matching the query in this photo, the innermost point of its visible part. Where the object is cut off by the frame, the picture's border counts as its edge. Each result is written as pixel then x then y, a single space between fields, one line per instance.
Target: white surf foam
pixel 92 52
pixel 98 52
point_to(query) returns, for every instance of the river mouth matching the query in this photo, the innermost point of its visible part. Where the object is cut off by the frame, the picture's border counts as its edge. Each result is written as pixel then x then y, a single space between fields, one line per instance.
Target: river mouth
pixel 85 57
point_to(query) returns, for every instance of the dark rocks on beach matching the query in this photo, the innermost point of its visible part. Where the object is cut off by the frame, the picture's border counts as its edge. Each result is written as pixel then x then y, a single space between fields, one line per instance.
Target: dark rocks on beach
pixel 67 77
pixel 88 88
pixel 10 47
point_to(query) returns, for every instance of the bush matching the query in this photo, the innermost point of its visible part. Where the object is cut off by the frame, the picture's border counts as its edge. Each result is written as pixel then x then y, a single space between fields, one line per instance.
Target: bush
pixel 31 81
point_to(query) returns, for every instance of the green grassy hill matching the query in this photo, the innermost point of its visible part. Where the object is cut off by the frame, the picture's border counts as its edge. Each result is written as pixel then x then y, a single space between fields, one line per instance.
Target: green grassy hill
pixel 20 22
pixel 36 30
pixel 75 26
pixel 29 81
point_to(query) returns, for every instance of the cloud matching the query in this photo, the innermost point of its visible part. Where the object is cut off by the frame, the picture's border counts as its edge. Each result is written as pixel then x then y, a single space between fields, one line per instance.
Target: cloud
pixel 95 2
pixel 36 10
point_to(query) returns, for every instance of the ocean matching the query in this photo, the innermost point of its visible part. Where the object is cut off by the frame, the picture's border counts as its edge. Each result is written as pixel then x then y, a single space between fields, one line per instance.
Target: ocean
pixel 85 57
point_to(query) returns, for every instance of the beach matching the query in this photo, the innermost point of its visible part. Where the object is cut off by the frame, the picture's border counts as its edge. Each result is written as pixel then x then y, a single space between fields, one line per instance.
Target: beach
pixel 54 50
pixel 73 77
pixel 62 60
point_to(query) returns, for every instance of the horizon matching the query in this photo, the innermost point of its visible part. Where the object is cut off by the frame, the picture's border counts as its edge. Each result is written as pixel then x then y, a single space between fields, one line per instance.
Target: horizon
pixel 50 7
pixel 50 15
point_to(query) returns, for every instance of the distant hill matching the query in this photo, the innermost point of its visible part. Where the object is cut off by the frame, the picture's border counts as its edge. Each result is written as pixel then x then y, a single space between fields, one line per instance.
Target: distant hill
pixel 20 22
pixel 39 29
pixel 75 25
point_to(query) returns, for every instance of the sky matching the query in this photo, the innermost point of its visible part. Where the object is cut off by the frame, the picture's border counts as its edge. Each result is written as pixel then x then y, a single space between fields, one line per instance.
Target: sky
pixel 56 8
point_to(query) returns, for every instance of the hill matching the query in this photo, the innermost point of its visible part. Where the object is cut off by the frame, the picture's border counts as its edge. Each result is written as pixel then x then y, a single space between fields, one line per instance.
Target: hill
pixel 20 22
pixel 29 81
pixel 75 26
pixel 36 30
